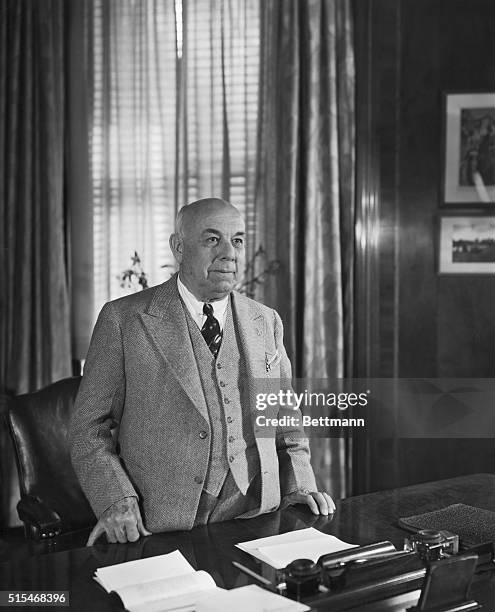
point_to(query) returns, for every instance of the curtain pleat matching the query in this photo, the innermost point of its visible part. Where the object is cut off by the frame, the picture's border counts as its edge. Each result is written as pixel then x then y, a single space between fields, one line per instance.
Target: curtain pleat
pixel 34 301
pixel 305 192
pixel 35 343
pixel 132 138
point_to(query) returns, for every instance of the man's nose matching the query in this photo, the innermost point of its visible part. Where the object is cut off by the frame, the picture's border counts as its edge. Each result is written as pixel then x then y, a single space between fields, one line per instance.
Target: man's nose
pixel 227 250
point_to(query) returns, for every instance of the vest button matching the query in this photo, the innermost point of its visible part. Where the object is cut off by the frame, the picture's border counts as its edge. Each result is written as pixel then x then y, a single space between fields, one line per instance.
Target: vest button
pixel 231 438
pixel 219 366
pixel 229 419
pixel 226 400
pixel 203 434
pixel 198 479
pixel 231 458
pixel 222 384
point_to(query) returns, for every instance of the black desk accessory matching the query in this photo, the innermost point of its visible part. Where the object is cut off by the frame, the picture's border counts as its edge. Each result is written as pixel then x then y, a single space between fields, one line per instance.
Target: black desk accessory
pixel 447 586
pixel 303 578
pixel 355 553
pixel 431 545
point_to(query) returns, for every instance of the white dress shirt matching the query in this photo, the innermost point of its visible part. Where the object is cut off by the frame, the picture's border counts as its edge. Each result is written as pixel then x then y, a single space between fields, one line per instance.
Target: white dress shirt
pixel 195 307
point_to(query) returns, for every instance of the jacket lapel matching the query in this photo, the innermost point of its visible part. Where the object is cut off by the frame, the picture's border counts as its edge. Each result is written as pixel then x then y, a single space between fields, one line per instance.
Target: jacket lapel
pixel 251 325
pixel 166 323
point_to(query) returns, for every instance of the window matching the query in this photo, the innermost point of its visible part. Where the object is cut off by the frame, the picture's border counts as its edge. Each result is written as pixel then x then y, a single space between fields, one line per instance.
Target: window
pixel 175 98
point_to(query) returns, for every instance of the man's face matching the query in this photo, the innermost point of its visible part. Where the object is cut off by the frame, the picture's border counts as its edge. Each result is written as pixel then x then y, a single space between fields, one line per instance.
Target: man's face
pixel 211 251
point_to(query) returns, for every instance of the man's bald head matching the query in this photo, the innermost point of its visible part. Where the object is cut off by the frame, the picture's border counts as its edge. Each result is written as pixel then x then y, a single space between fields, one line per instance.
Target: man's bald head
pixel 187 215
pixel 208 245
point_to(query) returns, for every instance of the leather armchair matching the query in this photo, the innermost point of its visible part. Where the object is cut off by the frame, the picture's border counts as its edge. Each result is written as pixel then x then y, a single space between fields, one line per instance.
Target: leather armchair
pixel 52 501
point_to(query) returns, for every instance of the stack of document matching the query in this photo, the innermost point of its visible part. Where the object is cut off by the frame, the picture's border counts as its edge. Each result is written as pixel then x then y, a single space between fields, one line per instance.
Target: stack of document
pixel 280 550
pixel 155 584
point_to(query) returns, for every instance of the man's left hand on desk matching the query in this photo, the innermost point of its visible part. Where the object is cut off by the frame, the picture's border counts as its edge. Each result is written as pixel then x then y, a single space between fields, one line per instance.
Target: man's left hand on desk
pixel 318 502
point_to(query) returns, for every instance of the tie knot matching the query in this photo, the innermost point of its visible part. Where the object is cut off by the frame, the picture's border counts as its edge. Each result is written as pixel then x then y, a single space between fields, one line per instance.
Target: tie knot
pixel 207 309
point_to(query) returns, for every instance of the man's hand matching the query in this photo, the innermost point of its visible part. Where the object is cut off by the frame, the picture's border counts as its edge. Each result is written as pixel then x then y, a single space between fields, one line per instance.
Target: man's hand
pixel 319 503
pixel 121 522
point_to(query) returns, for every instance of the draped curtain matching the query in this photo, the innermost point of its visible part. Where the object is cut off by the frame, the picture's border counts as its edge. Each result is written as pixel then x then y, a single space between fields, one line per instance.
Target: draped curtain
pixel 305 193
pixel 132 138
pixel 34 299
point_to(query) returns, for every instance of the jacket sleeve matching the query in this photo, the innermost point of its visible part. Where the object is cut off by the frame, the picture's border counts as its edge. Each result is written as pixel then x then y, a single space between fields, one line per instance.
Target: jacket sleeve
pixel 97 411
pixel 296 473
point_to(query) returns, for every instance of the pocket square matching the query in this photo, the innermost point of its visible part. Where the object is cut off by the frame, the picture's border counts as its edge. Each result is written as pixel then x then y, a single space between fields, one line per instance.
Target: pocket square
pixel 272 360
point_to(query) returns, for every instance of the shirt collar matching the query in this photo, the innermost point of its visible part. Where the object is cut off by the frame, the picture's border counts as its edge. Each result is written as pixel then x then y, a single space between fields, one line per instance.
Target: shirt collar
pixel 194 305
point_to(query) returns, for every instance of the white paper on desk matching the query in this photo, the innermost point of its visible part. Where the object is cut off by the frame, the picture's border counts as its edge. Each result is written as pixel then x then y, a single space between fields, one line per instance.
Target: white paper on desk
pixel 278 551
pixel 249 598
pixel 187 602
pixel 156 584
pixel 115 577
pixel 168 593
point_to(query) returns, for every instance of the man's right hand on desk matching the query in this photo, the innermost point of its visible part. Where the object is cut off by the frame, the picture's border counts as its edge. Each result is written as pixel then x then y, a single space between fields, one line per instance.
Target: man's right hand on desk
pixel 121 522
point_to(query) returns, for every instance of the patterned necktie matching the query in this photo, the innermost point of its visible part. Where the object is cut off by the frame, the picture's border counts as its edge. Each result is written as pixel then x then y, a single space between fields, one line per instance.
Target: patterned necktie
pixel 211 330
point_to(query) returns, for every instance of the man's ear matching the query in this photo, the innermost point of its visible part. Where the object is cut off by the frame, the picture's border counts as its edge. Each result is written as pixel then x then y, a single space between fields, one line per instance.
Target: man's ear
pixel 176 246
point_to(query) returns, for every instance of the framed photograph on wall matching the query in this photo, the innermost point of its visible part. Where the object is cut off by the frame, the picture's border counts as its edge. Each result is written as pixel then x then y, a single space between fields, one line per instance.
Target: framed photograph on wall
pixel 466 243
pixel 469 153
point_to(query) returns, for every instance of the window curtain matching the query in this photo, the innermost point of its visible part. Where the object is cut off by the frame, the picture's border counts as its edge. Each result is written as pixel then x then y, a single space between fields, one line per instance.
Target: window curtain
pixel 34 299
pixel 305 194
pixel 132 139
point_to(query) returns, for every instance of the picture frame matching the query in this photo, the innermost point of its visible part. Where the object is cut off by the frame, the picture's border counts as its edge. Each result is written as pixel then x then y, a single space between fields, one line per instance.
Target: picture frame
pixel 469 148
pixel 466 243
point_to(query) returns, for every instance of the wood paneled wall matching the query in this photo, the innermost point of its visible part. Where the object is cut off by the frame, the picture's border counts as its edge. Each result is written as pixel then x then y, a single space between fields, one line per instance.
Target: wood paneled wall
pixel 410 322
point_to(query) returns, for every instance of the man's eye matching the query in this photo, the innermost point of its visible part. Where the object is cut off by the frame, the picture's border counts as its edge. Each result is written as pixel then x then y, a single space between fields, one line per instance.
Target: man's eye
pixel 212 240
pixel 238 242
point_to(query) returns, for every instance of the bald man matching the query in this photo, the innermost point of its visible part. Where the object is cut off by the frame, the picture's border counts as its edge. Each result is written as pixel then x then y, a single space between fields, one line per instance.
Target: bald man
pixel 163 435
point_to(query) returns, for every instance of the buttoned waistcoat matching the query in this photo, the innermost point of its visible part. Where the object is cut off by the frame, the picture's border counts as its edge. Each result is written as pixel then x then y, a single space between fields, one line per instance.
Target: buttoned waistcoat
pixel 141 409
pixel 231 434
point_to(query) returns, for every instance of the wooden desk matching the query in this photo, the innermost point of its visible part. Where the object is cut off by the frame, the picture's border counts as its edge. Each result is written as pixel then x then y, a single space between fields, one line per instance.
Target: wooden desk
pixel 362 519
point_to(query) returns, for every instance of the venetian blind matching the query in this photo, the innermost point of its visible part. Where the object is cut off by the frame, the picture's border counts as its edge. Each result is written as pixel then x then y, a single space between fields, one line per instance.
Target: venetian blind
pixel 175 96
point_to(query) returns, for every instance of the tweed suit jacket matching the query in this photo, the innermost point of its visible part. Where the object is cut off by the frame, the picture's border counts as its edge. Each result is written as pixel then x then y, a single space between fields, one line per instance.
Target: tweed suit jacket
pixel 140 409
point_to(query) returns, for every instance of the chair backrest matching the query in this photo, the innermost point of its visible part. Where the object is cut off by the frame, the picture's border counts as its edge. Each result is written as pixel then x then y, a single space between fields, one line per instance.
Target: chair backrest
pixel 38 423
